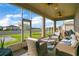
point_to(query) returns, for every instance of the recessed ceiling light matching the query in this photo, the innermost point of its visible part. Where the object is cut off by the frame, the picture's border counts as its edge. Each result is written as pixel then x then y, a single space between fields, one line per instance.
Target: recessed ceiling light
pixel 55 8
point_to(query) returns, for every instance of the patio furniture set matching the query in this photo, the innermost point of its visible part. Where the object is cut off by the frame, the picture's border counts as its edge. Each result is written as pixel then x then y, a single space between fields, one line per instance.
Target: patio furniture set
pixel 40 47
pixel 63 47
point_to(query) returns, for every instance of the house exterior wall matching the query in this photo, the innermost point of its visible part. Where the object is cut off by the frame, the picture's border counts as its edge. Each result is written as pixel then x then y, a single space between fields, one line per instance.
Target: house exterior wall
pixel 69 27
pixel 76 22
pixel 13 28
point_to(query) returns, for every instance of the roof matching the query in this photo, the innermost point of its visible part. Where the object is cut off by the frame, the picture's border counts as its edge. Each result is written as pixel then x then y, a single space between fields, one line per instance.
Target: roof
pixel 12 26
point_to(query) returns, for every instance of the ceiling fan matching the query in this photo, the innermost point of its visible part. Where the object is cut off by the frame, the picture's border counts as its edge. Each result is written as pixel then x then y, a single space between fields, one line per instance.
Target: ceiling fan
pixel 59 13
pixel 49 4
pixel 52 4
pixel 55 6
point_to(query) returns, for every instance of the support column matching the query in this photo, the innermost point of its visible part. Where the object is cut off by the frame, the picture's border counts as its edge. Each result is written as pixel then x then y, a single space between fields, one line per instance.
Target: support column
pixel 43 27
pixel 54 26
pixel 52 30
pixel 30 28
pixel 22 31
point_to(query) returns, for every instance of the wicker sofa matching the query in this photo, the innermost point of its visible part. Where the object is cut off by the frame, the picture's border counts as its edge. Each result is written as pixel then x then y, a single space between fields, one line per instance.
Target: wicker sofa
pixel 65 50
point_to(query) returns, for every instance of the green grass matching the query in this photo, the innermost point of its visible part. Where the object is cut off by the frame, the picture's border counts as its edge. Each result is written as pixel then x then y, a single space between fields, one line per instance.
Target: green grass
pixel 36 35
pixel 18 37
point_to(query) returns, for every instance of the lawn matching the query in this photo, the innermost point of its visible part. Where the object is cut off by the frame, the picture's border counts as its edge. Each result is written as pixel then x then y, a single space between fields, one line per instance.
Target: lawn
pixel 18 37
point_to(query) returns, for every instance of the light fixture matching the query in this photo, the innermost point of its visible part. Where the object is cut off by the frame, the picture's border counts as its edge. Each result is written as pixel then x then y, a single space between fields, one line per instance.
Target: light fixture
pixel 55 8
pixel 59 13
pixel 49 4
pixel 54 5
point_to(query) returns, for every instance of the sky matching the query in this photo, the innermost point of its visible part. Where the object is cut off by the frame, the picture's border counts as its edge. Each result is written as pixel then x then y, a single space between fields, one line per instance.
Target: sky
pixel 12 15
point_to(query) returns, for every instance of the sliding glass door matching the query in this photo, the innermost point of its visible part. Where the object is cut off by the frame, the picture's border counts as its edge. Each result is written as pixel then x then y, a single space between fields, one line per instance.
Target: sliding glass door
pixel 26 29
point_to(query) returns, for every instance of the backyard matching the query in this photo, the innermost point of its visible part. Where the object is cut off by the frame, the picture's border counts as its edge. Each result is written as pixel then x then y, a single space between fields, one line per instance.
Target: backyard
pixel 17 37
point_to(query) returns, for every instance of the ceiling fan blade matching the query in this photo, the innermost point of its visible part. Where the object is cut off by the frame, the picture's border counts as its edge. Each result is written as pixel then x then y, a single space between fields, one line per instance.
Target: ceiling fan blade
pixel 59 13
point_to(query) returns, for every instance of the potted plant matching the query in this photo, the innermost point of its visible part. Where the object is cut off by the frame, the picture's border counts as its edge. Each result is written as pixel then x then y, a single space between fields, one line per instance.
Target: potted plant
pixel 2 42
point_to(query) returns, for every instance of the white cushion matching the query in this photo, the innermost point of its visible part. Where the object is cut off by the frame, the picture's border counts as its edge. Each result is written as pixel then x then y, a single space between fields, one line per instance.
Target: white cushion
pixel 57 33
pixel 66 42
pixel 73 41
pixel 33 39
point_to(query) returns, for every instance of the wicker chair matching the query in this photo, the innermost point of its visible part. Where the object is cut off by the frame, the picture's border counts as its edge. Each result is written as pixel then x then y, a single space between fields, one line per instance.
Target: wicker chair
pixel 36 48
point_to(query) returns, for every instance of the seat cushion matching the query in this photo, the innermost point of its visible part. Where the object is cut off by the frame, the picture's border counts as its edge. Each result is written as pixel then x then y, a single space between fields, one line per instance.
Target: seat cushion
pixel 73 41
pixel 66 49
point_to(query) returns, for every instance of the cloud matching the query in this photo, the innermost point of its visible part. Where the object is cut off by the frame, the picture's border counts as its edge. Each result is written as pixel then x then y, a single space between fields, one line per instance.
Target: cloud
pixel 13 15
pixel 48 21
pixel 6 21
pixel 16 23
pixel 36 20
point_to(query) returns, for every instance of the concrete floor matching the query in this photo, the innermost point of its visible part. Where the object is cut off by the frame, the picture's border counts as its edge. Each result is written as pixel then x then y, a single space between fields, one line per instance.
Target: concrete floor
pixel 23 52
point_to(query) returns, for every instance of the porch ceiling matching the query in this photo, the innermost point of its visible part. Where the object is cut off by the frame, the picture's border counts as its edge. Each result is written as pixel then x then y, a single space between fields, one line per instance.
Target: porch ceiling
pixel 53 11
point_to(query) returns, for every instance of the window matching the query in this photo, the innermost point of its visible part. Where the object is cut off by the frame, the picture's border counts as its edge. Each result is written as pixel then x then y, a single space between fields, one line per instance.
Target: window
pixel 10 17
pixel 26 29
pixel 59 25
pixel 49 27
pixel 69 24
pixel 36 22
pixel 36 25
